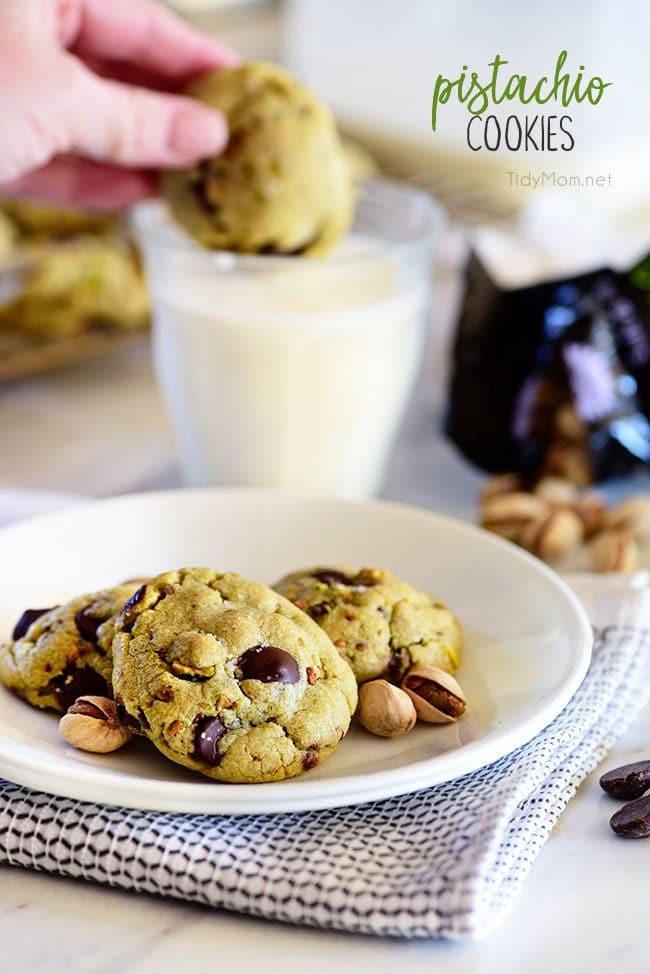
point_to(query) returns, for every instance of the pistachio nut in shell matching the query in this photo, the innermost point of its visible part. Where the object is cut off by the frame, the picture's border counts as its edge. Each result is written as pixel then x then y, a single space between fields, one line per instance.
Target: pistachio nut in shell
pixel 437 696
pixel 509 514
pixel 502 484
pixel 631 515
pixel 385 710
pixel 93 724
pixel 614 551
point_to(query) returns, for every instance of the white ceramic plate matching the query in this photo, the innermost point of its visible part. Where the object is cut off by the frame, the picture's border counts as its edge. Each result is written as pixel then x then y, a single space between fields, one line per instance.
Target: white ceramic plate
pixel 528 641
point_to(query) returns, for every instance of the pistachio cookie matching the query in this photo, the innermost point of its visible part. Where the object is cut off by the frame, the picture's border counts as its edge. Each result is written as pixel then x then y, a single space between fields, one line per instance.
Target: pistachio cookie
pixel 282 185
pixel 381 625
pixel 59 654
pixel 81 285
pixel 228 678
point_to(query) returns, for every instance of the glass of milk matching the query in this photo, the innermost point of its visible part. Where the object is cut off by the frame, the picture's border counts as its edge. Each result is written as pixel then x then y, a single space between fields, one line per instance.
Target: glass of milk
pixel 293 372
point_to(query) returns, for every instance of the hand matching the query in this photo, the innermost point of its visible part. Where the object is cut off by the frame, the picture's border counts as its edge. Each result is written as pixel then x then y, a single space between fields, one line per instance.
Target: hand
pixel 80 121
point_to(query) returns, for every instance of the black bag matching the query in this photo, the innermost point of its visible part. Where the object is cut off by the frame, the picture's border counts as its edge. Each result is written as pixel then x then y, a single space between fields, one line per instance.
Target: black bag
pixel 553 378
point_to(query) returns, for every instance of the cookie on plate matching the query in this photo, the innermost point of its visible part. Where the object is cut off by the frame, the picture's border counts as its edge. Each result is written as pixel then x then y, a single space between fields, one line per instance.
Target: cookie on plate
pixel 59 654
pixel 380 624
pixel 282 184
pixel 228 678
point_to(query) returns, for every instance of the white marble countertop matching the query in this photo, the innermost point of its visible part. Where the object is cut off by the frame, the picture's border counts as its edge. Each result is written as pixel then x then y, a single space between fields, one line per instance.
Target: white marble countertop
pixel 584 905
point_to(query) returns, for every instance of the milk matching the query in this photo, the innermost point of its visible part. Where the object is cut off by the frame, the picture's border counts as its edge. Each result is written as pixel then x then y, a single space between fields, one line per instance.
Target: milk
pixel 289 373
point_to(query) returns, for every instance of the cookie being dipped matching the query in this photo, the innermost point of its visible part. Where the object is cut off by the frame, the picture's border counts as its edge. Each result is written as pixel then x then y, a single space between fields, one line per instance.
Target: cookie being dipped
pixel 282 185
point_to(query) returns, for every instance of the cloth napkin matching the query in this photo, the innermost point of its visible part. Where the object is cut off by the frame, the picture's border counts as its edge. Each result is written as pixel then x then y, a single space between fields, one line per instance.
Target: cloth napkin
pixel 445 862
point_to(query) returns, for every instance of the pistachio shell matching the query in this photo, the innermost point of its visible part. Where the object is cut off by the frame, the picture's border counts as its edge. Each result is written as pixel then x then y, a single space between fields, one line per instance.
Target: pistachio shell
pixel 509 514
pixel 505 483
pixel 556 535
pixel 385 710
pixel 568 461
pixel 590 508
pixel 568 424
pixel 614 551
pixel 632 515
pixel 556 491
pixel 93 724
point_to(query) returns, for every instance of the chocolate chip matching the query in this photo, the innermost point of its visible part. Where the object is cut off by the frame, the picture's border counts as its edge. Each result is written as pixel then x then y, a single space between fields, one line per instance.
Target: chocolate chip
pixel 199 188
pixel 331 576
pixel 75 682
pixel 125 716
pixel 127 614
pixel 135 598
pixel 25 621
pixel 633 820
pixel 309 760
pixel 271 249
pixel 400 663
pixel 87 624
pixel 268 664
pixel 320 609
pixel 98 324
pixel 628 781
pixel 208 733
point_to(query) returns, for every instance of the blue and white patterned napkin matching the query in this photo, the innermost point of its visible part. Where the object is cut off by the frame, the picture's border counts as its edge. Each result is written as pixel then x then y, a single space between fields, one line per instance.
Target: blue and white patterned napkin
pixel 446 862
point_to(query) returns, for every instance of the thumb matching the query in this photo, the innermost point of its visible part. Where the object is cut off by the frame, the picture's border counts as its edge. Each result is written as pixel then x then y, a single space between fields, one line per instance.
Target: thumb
pixel 139 128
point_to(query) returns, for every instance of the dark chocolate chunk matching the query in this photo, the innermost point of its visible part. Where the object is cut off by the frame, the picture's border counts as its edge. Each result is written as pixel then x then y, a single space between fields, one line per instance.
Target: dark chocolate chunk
pixel 135 598
pixel 331 576
pixel 309 760
pixel 628 781
pixel 87 624
pixel 127 614
pixel 125 717
pixel 208 733
pixel 320 609
pixel 633 820
pixel 75 682
pixel 399 665
pixel 268 664
pixel 272 250
pixel 26 619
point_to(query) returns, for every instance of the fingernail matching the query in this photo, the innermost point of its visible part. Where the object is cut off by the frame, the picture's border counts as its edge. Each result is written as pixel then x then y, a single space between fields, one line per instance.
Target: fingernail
pixel 197 133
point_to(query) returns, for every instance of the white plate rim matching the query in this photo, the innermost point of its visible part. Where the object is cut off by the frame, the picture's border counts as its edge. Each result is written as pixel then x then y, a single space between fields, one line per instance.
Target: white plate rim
pixel 299 794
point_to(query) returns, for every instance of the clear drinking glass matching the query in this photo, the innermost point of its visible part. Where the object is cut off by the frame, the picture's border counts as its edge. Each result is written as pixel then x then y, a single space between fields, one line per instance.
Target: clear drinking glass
pixel 289 371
